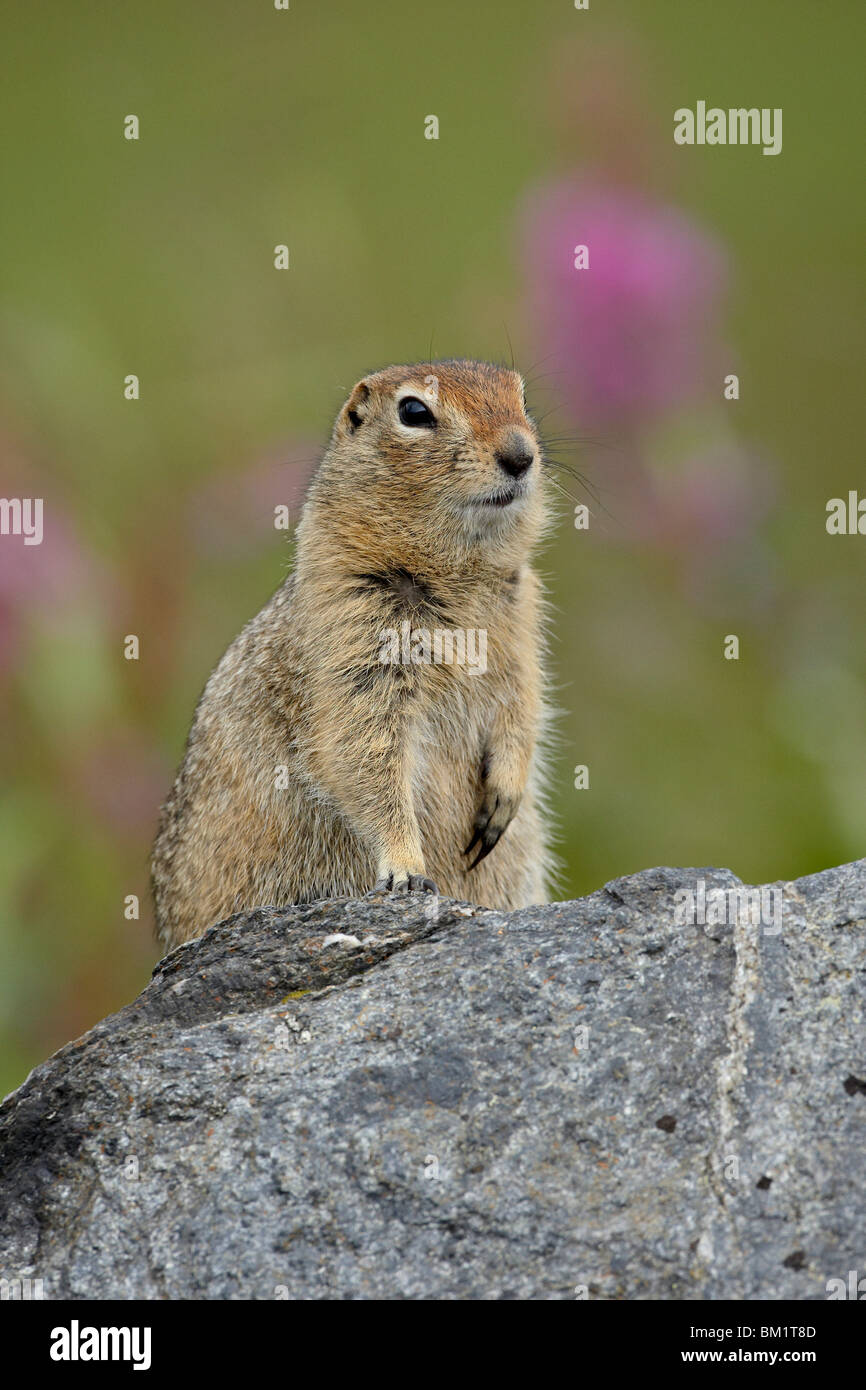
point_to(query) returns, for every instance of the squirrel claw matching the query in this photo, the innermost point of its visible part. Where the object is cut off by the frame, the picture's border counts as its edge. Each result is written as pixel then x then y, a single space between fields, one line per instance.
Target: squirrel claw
pixel 413 883
pixel 489 840
pixel 417 883
pixel 491 822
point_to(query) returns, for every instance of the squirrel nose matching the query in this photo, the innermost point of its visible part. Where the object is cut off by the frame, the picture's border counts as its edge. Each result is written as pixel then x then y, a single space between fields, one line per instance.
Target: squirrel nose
pixel 515 456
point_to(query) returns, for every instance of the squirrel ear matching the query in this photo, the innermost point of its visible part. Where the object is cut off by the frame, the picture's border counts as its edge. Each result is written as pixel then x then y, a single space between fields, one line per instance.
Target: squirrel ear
pixel 354 412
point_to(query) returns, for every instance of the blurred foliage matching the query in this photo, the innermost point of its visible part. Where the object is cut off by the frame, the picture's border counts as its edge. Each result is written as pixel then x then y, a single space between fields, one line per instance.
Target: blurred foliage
pixel 156 257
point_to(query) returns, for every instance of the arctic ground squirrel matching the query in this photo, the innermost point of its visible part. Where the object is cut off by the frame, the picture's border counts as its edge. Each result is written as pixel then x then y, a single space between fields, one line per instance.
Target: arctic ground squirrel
pixel 379 725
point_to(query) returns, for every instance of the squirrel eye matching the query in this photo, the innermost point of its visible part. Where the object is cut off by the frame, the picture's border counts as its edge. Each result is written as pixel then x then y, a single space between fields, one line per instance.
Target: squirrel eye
pixel 415 412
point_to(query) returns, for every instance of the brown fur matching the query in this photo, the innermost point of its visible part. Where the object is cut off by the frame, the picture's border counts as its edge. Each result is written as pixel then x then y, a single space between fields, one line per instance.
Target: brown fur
pixel 391 769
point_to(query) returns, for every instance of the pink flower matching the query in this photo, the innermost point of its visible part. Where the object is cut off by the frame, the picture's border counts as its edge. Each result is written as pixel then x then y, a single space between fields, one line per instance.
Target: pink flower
pixel 636 332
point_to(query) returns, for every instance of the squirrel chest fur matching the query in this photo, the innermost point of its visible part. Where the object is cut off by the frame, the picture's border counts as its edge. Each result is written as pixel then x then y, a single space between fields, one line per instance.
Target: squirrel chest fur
pixel 379 723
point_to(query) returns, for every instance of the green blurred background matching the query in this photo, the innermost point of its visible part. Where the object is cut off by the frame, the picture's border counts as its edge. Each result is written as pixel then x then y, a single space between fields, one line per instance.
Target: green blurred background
pixel 306 127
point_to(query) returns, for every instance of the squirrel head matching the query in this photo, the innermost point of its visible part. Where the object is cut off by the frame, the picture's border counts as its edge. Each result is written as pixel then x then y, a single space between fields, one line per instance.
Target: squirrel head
pixel 439 460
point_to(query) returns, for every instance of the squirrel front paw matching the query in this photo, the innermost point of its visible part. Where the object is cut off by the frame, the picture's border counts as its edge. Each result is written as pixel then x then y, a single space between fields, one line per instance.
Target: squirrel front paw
pixel 495 814
pixel 401 882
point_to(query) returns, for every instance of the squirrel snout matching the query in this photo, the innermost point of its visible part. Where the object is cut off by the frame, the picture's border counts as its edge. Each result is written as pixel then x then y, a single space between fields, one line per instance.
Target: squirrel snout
pixel 515 455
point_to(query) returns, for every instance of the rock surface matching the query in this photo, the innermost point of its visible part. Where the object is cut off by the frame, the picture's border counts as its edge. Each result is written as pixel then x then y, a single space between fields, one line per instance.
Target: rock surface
pixel 413 1098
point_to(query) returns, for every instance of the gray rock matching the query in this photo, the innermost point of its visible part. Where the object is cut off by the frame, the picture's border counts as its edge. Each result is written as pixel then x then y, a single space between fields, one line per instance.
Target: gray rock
pixel 414 1098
